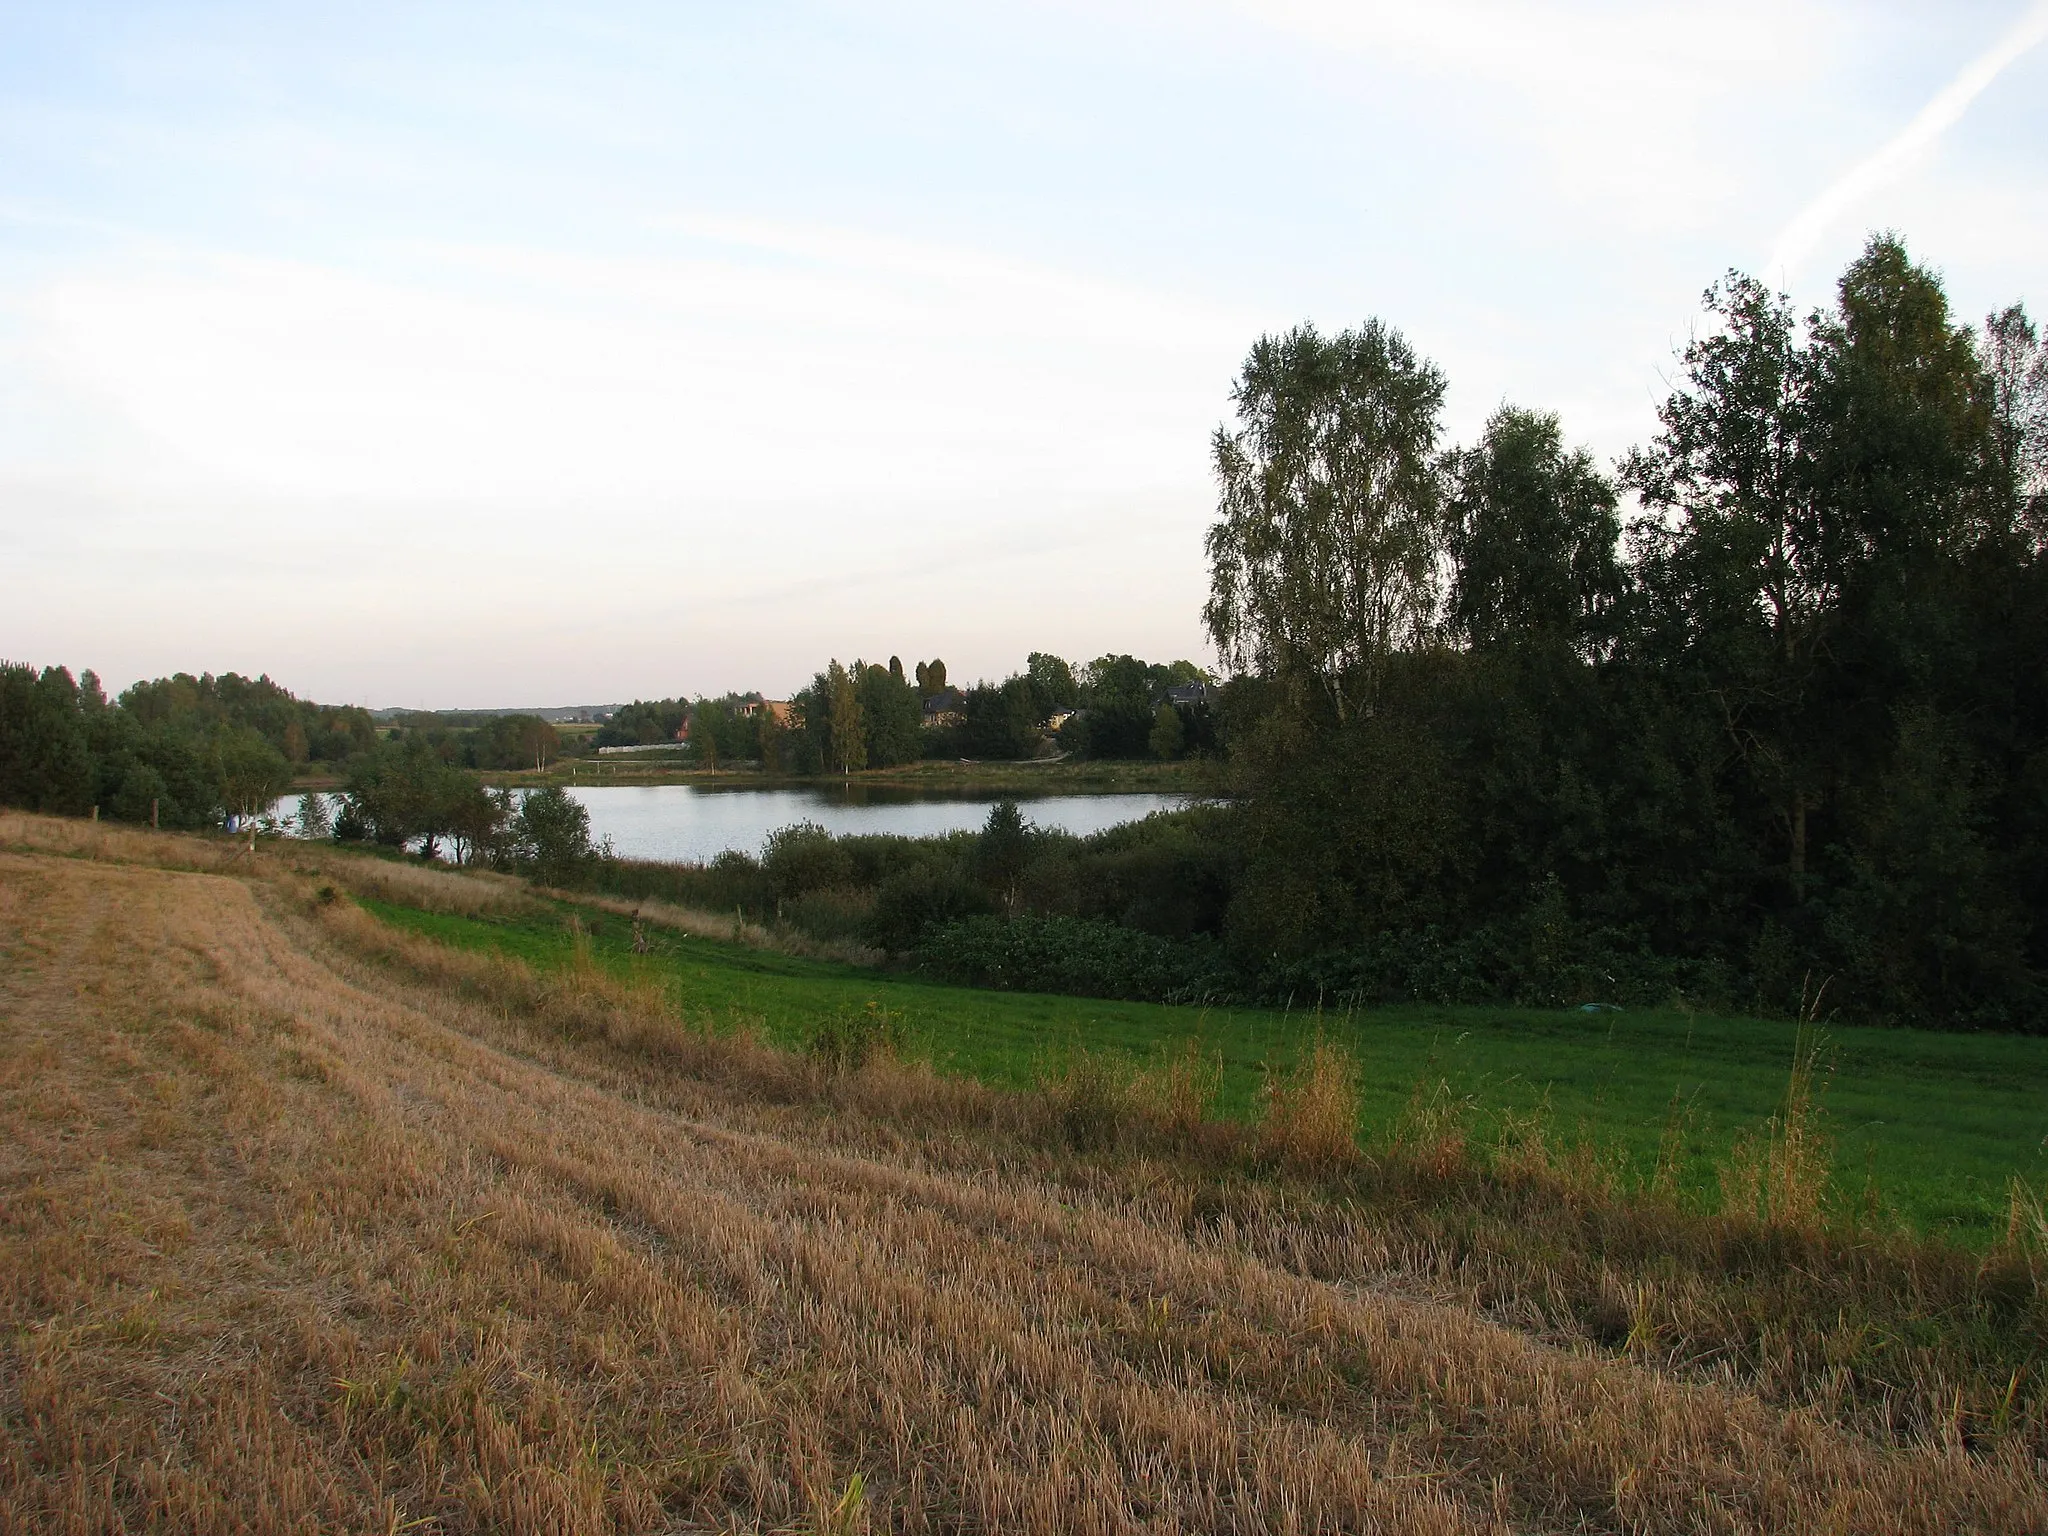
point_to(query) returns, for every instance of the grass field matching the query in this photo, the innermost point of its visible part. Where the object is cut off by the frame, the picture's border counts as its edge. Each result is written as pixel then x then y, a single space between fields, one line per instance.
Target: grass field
pixel 310 1221
pixel 1937 1124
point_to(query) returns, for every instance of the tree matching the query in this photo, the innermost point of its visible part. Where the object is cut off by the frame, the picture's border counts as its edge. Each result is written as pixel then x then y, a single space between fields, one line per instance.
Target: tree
pixel 892 716
pixel 1324 559
pixel 1001 720
pixel 1742 571
pixel 849 747
pixel 2016 364
pixel 1168 734
pixel 1533 535
pixel 643 723
pixel 1003 851
pixel 253 774
pixel 403 791
pixel 1053 682
pixel 551 835
pixel 477 820
pixel 316 821
pixel 705 723
pixel 44 761
pixel 514 741
pixel 931 678
pixel 770 740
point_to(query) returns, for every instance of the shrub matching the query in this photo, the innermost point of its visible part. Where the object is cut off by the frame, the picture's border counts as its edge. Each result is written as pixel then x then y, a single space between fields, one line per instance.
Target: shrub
pixel 914 901
pixel 804 857
pixel 1078 956
pixel 834 912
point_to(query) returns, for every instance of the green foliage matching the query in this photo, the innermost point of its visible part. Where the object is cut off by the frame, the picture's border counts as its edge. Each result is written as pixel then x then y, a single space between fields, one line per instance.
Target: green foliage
pixel 550 836
pixel 803 858
pixel 182 747
pixel 252 773
pixel 1533 536
pixel 1323 557
pixel 44 763
pixel 513 741
pixel 1168 736
pixel 316 817
pixel 1798 733
pixel 918 898
pixel 643 723
pixel 846 749
pixel 892 715
pixel 1053 684
pixel 1002 721
pixel 198 707
pixel 1003 851
pixel 1077 956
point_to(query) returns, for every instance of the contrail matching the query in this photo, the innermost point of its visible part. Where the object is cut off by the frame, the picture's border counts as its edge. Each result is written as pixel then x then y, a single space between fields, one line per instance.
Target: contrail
pixel 1799 237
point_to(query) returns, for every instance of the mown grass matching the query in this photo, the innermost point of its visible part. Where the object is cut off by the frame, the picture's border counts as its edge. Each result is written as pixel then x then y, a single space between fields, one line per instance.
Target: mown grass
pixel 1927 1130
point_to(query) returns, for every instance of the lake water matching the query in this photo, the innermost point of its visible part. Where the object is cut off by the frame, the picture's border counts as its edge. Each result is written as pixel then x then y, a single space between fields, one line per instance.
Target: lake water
pixel 688 823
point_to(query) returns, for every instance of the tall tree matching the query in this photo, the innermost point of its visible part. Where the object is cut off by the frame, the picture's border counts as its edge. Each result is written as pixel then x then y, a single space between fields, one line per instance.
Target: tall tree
pixel 892 717
pixel 1739 566
pixel 1052 680
pixel 1534 537
pixel 1325 557
pixel 2016 363
pixel 849 749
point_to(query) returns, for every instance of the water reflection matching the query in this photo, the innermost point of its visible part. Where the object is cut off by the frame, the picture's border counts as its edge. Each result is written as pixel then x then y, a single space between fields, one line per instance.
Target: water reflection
pixel 692 823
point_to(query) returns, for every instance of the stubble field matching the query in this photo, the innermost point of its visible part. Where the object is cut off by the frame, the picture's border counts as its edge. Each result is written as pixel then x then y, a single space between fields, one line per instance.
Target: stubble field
pixel 313 1224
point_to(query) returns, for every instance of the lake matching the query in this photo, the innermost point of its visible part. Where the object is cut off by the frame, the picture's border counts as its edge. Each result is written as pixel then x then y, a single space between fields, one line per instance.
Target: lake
pixel 686 823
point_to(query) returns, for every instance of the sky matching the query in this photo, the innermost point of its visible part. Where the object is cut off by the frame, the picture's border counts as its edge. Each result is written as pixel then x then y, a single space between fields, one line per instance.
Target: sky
pixel 450 356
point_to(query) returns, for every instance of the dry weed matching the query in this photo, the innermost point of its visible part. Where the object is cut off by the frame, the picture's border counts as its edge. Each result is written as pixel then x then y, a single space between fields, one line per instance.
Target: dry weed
pixel 1782 1174
pixel 1309 1113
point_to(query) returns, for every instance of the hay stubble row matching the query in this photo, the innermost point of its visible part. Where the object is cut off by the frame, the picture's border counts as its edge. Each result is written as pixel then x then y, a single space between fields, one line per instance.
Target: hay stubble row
pixel 297 1238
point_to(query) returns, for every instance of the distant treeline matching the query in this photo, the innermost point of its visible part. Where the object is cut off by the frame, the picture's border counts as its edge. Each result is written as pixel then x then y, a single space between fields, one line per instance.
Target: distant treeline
pixel 873 715
pixel 185 751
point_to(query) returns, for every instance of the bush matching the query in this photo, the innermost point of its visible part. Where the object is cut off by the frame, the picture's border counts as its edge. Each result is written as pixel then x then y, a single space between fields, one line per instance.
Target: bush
pixel 922 897
pixel 1080 957
pixel 802 858
pixel 835 912
pixel 551 835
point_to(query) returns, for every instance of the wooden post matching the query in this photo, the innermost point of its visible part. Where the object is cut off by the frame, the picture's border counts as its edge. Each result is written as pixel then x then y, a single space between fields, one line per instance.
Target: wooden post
pixel 152 813
pixel 95 813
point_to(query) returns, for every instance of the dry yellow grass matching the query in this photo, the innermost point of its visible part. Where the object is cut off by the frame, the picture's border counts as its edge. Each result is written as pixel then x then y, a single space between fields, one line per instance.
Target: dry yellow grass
pixel 310 1227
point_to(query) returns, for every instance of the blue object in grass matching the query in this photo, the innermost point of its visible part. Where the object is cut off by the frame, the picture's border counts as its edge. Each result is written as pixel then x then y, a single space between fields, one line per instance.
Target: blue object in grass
pixel 1599 1007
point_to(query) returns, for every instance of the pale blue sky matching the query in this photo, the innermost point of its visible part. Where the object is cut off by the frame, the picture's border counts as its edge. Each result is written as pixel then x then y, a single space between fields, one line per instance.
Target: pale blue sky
pixel 518 354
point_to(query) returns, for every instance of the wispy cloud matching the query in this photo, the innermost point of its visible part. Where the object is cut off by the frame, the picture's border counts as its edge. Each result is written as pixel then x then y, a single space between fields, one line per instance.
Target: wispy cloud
pixel 1799 238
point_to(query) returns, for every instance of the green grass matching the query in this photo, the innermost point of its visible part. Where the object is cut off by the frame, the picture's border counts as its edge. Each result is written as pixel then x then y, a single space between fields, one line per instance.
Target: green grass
pixel 1937 1123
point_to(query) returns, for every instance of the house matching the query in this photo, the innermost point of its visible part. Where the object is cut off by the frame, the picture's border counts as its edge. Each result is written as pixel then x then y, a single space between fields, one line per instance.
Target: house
pixel 944 708
pixel 1188 695
pixel 1060 716
pixel 778 710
